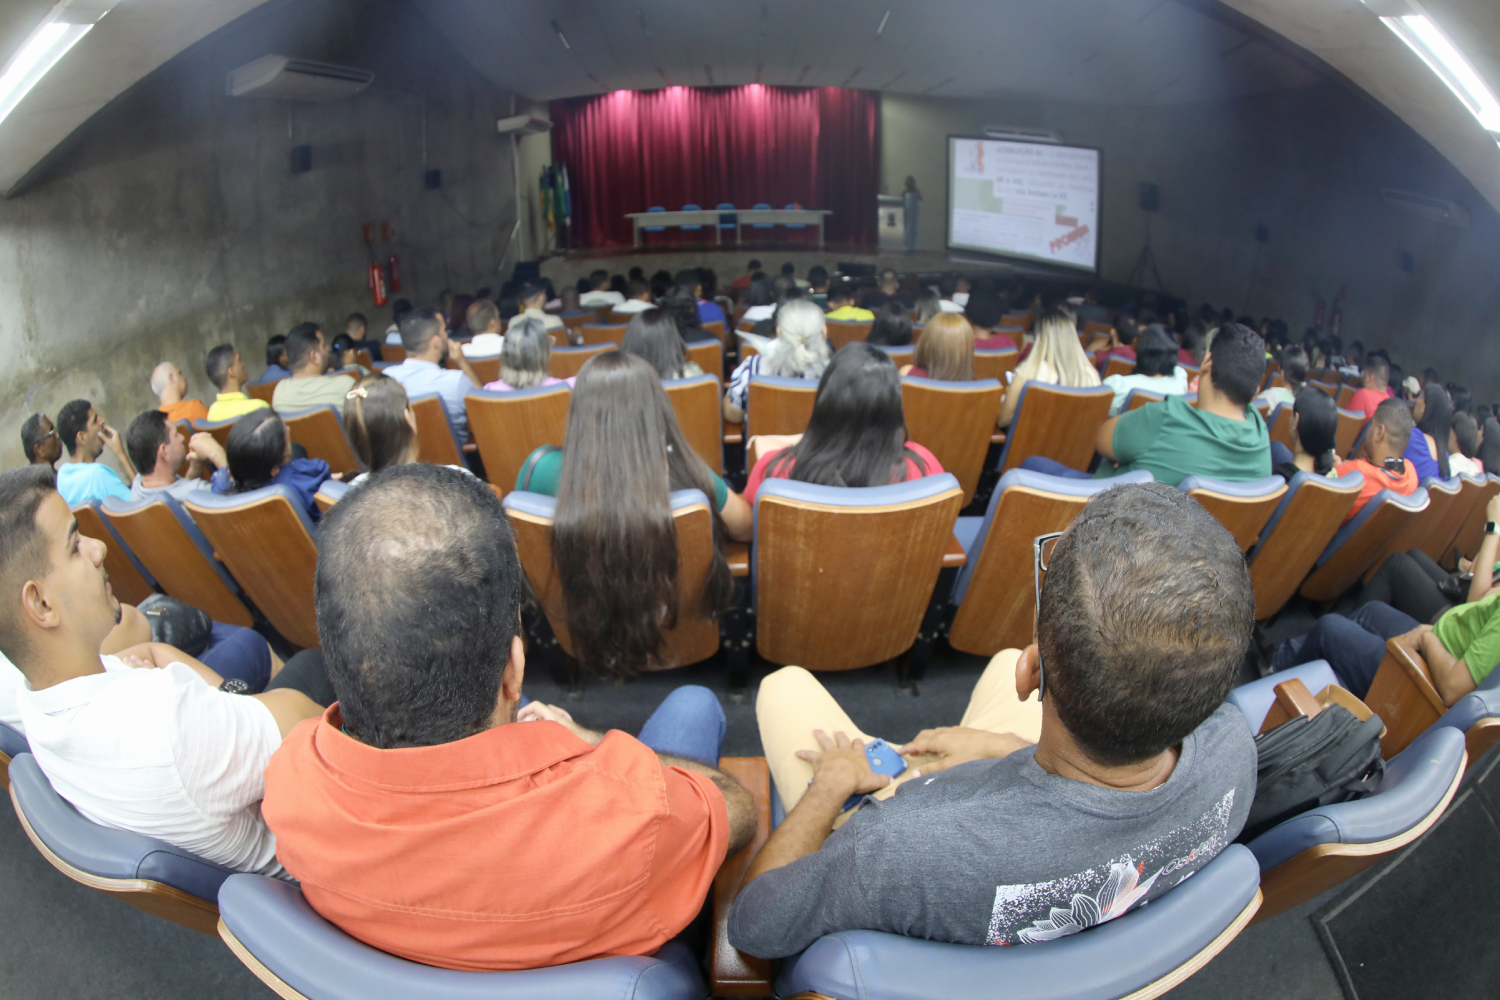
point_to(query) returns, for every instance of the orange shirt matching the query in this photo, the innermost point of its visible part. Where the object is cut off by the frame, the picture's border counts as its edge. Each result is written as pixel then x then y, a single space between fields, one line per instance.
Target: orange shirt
pixel 187 409
pixel 1377 479
pixel 517 848
pixel 1365 401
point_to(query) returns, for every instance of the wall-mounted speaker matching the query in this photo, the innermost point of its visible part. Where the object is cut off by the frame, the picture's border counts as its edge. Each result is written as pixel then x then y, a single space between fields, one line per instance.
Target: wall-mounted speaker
pixel 432 180
pixel 301 159
pixel 1150 197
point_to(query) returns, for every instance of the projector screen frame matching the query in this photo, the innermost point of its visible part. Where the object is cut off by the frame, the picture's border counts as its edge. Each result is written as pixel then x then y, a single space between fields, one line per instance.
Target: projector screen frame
pixel 1023 258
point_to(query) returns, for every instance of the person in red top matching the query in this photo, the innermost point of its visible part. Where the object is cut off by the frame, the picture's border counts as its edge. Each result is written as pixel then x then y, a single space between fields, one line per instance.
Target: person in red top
pixel 743 281
pixel 1372 393
pixel 984 312
pixel 428 813
pixel 1380 458
pixel 857 434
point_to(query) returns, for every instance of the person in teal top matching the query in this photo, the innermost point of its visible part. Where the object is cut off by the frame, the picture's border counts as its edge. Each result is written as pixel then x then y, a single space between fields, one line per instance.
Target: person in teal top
pixel 85 434
pixel 543 468
pixel 1222 438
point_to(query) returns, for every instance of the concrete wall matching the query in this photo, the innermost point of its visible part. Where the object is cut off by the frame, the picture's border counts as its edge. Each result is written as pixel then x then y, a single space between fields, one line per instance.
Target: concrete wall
pixel 173 222
pixel 1309 165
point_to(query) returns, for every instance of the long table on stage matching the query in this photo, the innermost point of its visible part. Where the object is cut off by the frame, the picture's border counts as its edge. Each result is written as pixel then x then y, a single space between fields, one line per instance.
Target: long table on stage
pixel 742 216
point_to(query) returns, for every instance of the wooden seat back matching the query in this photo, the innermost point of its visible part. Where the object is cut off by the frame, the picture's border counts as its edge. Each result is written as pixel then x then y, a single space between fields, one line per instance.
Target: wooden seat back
pixel 1347 432
pixel 1346 393
pixel 218 428
pixel 953 420
pixel 363 357
pixel 1443 517
pixel 1243 516
pixel 1139 398
pixel 321 432
pixel 391 353
pixel 1280 427
pixel 262 391
pixel 696 402
pixel 805 550
pixel 277 577
pixel 435 441
pixel 841 332
pixel 488 369
pixel 1332 390
pixel 604 332
pixel 995 363
pixel 181 569
pixel 575 320
pixel 508 426
pixel 747 348
pixel 1092 328
pixel 1117 365
pixel 601 313
pixel 1307 522
pixel 1057 422
pixel 709 355
pixel 1404 697
pixel 716 327
pixel 126 580
pixel 1472 533
pixel 566 362
pixel 1363 550
pixel 778 405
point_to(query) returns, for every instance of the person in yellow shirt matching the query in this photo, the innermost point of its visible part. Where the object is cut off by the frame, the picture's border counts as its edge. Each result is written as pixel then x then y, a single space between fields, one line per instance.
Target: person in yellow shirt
pixel 169 385
pixel 227 371
pixel 842 307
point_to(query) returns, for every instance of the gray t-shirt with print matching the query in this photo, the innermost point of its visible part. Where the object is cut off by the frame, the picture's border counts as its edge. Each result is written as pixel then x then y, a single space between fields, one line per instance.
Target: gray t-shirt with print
pixel 1003 852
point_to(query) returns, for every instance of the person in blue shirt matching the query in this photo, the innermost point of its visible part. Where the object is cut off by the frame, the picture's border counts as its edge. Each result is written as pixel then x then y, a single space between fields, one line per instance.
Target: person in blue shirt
pixel 85 434
pixel 689 282
pixel 260 454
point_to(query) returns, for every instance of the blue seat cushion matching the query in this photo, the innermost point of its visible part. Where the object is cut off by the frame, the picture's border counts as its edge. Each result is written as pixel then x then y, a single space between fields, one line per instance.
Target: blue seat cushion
pixel 1255 699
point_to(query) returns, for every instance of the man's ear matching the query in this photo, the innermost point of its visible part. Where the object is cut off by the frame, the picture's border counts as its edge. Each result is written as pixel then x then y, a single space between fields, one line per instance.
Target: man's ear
pixel 515 671
pixel 37 608
pixel 1027 674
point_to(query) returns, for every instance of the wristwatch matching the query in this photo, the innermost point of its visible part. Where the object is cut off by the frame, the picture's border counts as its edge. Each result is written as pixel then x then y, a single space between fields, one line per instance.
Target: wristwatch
pixel 233 685
pixel 1491 528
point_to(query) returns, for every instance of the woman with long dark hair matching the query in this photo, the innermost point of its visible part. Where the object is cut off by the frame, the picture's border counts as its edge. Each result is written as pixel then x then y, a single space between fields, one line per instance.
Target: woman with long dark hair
pixel 1463 446
pixel 1293 373
pixel 1427 449
pixel 652 336
pixel 1314 429
pixel 857 434
pixel 613 539
pixel 892 326
pixel 259 450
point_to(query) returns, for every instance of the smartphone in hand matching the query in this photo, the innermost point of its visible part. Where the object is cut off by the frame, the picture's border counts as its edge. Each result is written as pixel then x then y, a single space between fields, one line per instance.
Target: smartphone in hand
pixel 883 759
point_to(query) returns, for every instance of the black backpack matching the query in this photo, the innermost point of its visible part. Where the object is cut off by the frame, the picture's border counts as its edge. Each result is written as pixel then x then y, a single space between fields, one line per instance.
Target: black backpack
pixel 1309 762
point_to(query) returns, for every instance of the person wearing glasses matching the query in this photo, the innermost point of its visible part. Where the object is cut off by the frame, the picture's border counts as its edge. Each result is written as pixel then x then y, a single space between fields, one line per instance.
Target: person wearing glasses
pixel 1092 772
pixel 39 440
pixel 1380 457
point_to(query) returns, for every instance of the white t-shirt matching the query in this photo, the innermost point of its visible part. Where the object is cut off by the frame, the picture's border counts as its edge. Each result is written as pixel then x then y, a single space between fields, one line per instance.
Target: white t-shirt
pixel 605 298
pixel 949 306
pixel 634 306
pixel 160 753
pixel 1459 463
pixel 757 313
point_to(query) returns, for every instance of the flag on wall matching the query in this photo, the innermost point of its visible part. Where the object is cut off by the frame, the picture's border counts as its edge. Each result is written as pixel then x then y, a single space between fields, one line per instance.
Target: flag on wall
pixel 567 198
pixel 549 219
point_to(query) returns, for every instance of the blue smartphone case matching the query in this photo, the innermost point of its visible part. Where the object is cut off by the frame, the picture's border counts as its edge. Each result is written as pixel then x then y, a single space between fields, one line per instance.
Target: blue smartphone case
pixel 883 759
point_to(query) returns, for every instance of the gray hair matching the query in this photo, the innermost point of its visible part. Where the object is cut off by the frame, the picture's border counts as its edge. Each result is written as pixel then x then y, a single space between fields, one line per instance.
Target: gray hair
pixel 523 358
pixel 800 349
pixel 159 376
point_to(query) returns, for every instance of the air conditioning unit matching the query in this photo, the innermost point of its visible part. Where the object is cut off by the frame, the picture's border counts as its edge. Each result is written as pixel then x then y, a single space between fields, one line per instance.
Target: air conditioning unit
pixel 522 125
pixel 1449 213
pixel 1012 134
pixel 288 79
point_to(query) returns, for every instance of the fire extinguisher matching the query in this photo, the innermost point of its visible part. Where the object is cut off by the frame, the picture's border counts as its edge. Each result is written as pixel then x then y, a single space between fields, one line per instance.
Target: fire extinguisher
pixel 377 283
pixel 395 274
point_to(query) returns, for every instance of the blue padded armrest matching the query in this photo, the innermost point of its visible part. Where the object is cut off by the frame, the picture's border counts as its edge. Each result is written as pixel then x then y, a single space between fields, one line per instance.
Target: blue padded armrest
pixel 211 425
pixel 273 920
pixel 334 490
pixel 101 850
pixel 230 501
pixel 1481 703
pixel 937 383
pixel 535 504
pixel 12 741
pixel 1416 501
pixel 1254 700
pixel 1352 480
pixel 291 414
pixel 785 381
pixel 536 390
pixel 1250 490
pixel 1102 963
pixel 1415 781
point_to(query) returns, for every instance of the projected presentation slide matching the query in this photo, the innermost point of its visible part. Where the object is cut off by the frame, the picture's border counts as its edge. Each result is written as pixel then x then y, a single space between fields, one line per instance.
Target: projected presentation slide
pixel 1024 199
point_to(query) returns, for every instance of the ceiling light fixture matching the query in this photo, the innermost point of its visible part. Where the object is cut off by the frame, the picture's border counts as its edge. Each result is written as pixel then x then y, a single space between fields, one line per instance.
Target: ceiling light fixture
pixel 63 26
pixel 882 24
pixel 561 37
pixel 1421 33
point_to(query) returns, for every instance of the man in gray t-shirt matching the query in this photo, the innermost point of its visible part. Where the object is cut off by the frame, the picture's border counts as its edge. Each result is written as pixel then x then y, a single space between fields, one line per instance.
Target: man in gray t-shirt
pixel 158 448
pixel 1040 817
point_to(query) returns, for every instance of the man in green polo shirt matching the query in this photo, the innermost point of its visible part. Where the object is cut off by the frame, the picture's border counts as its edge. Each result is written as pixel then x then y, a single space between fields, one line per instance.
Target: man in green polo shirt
pixel 1223 437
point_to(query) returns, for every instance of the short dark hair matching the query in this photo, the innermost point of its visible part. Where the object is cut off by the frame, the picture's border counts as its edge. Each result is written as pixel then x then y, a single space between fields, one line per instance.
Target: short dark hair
pixel 1395 416
pixel 816 275
pixel 687 280
pixel 72 420
pixel 754 264
pixel 301 341
pixel 598 278
pixel 788 268
pixel 146 433
pixel 357 317
pixel 984 309
pixel 1294 367
pixel 637 288
pixel 216 366
pixel 255 447
pixel 1145 619
pixel 419 326
pixel 275 348
pixel 32 435
pixel 23 551
pixel 1379 366
pixel 418 594
pixel 1155 352
pixel 1239 362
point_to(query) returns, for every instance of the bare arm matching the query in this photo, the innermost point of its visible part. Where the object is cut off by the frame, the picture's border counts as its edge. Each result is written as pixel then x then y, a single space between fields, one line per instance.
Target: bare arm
pixel 1449 675
pixel 117 445
pixel 1484 561
pixel 1010 402
pixel 739 518
pixel 288 707
pixel 133 630
pixel 733 414
pixel 456 354
pixel 1104 441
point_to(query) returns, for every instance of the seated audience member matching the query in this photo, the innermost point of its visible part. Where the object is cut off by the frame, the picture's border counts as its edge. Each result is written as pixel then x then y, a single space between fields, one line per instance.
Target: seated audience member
pixel 888 290
pixel 486 329
pixel 1223 437
pixel 1314 431
pixel 1156 370
pixel 310 384
pixel 399 309
pixel 1373 389
pixel 1427 448
pixel 1294 373
pixel 947 288
pixel 532 299
pixel 1119 342
pixel 1411 582
pixel 800 350
pixel 841 307
pixel 358 329
pixel 817 285
pixel 1103 765
pixel 431 752
pixel 892 326
pixel 661 284
pixel 276 364
pixel 743 281
pixel 1194 344
pixel 259 452
pixel 1380 457
pixel 169 387
pixel 85 434
pixel 1463 446
pixel 425 337
pixel 928 305
pixel 344 357
pixel 857 434
pixel 961 292
pixel 40 442
pixel 639 300
pixel 761 299
pixel 690 286
pixel 683 309
pixel 945 351
pixel 984 312
pixel 227 372
pixel 599 293
pixel 615 411
pixel 1088 309
pixel 524 358
pixel 618 284
pixel 652 336
pixel 170 753
pixel 380 425
pixel 158 448
pixel 790 271
pixel 1055 358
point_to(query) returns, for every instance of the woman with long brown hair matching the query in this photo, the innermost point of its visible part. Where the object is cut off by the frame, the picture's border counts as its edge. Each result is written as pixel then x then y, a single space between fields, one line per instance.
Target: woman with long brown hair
pixel 379 424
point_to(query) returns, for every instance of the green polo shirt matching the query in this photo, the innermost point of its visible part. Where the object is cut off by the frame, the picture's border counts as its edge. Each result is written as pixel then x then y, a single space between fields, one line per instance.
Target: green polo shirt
pixel 1172 440
pixel 1471 632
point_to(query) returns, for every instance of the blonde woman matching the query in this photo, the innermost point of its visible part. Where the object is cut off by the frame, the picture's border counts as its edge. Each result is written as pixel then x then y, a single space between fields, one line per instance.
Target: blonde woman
pixel 1055 358
pixel 945 351
pixel 800 350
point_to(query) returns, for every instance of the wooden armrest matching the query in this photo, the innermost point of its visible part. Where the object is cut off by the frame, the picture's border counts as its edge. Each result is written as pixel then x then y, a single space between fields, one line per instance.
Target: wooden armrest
pixel 955 554
pixel 997 438
pixel 737 555
pixel 734 437
pixel 1293 700
pixel 732 972
pixel 469 447
pixel 1404 697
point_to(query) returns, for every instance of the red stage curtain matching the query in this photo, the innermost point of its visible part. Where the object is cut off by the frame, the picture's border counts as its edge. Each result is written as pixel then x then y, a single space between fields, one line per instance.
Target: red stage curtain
pixel 631 149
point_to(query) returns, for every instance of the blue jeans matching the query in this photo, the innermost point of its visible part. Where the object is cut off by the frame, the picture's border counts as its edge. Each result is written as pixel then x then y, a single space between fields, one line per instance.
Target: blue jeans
pixel 688 723
pixel 238 652
pixel 1281 454
pixel 1354 646
pixel 1052 467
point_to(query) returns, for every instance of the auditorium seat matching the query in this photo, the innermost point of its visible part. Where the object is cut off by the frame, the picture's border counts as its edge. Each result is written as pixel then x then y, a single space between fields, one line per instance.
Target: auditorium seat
pixel 148 874
pixel 603 333
pixel 173 548
pixel 330 493
pixel 320 430
pixel 1438 540
pixel 813 542
pixel 12 745
pixel 1332 390
pixel 696 403
pixel 601 313
pixel 953 420
pixel 1093 328
pixel 841 332
pixel 1304 522
pixel 218 428
pixel 1279 425
pixel 696 636
pixel 1243 508
pixel 1360 546
pixel 1472 533
pixel 574 319
pixel 995 363
pixel 128 577
pixel 708 355
pixel 265 539
pixel 1404 696
pixel 508 426
pixel 716 327
pixel 996 603
pixel 437 442
pixel 270 927
pixel 1116 365
pixel 1137 398
pixel 1254 700
pixel 488 369
pixel 1443 496
pixel 566 362
pixel 726 221
pixel 779 405
pixel 1346 393
pixel 1351 422
pixel 262 390
pixel 902 355
pixel 1058 422
pixel 758 206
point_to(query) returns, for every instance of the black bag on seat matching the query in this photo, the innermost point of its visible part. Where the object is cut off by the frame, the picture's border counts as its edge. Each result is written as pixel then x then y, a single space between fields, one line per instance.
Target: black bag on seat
pixel 1309 762
pixel 177 624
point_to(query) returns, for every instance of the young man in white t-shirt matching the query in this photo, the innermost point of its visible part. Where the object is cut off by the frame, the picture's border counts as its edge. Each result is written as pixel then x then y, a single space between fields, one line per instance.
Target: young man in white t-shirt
pixel 147 741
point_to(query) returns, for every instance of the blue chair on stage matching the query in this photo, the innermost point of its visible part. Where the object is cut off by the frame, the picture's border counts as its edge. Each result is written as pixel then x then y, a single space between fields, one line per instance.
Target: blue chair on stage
pixel 795 225
pixel 654 229
pixel 760 205
pixel 691 208
pixel 727 221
